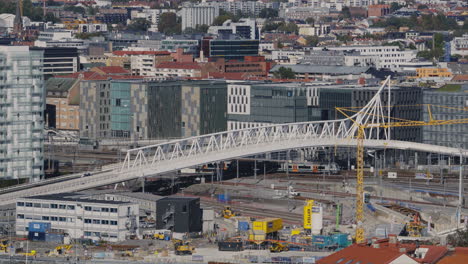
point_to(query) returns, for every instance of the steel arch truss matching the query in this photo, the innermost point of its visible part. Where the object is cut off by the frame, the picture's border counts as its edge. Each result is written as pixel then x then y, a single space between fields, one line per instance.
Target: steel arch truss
pixel 279 134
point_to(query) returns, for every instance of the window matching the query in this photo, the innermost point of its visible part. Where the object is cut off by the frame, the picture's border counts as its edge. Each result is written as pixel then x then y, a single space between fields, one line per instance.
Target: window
pixel 113 222
pixel 96 209
pixel 62 219
pixel 70 207
pixel 184 209
pixel 20 216
pixel 45 218
pixel 45 205
pixel 105 222
pixel 88 208
pixel 54 206
pixel 87 221
pixel 113 210
pixel 62 206
pixel 54 218
pixel 20 204
pixel 87 233
pixel 29 204
pixel 96 221
pixel 104 209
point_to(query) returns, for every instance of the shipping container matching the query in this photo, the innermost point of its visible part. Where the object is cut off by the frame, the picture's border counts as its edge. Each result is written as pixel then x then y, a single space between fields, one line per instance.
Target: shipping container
pixel 39 227
pixel 243 226
pixel 55 238
pixel 268 225
pixel 230 246
pixel 36 236
pixel 224 198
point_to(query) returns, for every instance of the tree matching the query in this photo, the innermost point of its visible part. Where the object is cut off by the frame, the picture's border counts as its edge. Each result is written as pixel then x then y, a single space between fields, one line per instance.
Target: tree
pixel 279 44
pixel 345 12
pixel 394 7
pixel 290 27
pixel 310 20
pixel 422 7
pixel 198 29
pixel 168 24
pixel 50 17
pixel 312 41
pixel 219 20
pixel 268 13
pixel 270 26
pixel 139 24
pixel 459 239
pixel 284 73
pixel 75 9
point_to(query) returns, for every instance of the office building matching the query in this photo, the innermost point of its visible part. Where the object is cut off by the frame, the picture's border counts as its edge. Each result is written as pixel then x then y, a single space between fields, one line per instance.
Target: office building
pixel 137 109
pixel 179 214
pixel 22 102
pixel 252 8
pixel 195 15
pixel 450 135
pixel 245 28
pixel 63 94
pixel 232 48
pixel 390 57
pixel 78 216
pixel 59 60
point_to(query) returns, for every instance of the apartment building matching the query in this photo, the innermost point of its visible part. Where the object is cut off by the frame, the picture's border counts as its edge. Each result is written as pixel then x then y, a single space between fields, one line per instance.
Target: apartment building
pixel 195 15
pixel 22 103
pixel 78 216
pixel 63 93
pixel 390 57
pixel 459 45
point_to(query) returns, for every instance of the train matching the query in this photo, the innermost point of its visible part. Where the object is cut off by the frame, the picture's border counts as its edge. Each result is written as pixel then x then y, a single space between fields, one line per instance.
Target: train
pixel 311 167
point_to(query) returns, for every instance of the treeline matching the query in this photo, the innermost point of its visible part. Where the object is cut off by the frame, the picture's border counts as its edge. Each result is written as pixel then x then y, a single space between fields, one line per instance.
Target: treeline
pixel 422 23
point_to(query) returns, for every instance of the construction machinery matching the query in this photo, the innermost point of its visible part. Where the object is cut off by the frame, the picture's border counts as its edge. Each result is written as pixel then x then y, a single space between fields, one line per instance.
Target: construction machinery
pixel 60 250
pixel 4 244
pixel 368 122
pixel 228 212
pixel 182 247
pixel 277 247
pixel 31 253
pixel 414 226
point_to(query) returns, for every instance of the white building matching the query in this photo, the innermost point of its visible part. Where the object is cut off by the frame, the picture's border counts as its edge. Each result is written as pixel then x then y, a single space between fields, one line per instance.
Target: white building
pixel 7 21
pixel 62 39
pixel 92 28
pixel 459 45
pixel 390 57
pixel 194 15
pixel 244 7
pixel 22 104
pixel 143 65
pixel 287 56
pixel 315 30
pixel 246 28
pixel 79 217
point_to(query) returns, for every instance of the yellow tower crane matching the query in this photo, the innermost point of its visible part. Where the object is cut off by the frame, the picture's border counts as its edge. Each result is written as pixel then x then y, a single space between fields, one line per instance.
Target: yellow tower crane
pixel 357 113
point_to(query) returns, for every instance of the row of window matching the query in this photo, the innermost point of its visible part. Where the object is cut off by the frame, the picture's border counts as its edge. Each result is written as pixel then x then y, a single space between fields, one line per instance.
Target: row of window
pixel 45 205
pixel 66 207
pixel 100 222
pixel 98 234
pixel 46 218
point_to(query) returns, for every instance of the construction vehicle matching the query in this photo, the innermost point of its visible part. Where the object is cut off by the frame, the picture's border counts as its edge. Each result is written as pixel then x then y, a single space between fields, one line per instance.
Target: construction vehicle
pixel 182 247
pixel 32 253
pixel 414 226
pixel 4 244
pixel 228 212
pixel 278 247
pixel 368 122
pixel 60 250
pixel 162 235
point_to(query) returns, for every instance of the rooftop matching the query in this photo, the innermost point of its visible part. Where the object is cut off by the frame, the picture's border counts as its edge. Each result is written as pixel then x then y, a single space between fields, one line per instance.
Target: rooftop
pixel 72 197
pixel 59 84
pixel 318 69
pixel 179 65
pixel 134 52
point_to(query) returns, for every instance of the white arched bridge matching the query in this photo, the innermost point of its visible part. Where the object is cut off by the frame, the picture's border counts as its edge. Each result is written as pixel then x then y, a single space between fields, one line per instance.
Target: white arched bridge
pixel 188 152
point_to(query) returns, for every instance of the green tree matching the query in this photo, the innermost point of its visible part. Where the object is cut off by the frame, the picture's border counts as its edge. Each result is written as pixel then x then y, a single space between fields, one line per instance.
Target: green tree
pixel 198 29
pixel 75 9
pixel 422 7
pixel 51 18
pixel 312 41
pixel 139 24
pixel 279 44
pixel 169 25
pixel 310 20
pixel 345 12
pixel 290 27
pixel 284 73
pixel 270 26
pixel 268 13
pixel 219 20
pixel 394 7
pixel 85 35
pixel 459 239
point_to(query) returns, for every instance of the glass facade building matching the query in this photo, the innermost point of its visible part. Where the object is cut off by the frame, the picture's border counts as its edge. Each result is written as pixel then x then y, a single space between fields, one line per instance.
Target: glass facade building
pixel 22 105
pixel 233 49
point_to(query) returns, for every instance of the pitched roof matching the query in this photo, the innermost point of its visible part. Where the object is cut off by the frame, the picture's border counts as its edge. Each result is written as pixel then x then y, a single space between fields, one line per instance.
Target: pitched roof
pixel 113 70
pixel 59 84
pixel 178 65
pixel 362 254
pixel 460 78
pixel 136 52
pixel 460 255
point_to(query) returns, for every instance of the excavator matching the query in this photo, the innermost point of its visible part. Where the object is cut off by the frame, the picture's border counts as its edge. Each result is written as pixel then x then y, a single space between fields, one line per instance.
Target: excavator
pixel 59 250
pixel 4 245
pixel 182 247
pixel 278 247
pixel 228 212
pixel 414 226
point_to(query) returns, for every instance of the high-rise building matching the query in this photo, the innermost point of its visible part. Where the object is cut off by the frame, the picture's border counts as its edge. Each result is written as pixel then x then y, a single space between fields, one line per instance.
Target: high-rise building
pixel 192 15
pixel 22 103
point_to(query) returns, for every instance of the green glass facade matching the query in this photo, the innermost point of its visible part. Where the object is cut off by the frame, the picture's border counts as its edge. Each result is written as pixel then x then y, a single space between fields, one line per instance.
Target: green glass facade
pixel 121 115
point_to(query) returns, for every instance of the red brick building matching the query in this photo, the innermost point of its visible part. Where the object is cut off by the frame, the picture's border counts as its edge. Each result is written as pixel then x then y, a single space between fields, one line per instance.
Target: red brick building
pixel 378 10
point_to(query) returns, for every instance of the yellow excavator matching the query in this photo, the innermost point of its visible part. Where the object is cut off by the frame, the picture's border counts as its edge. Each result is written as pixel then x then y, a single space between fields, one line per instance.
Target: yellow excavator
pixel 278 247
pixel 228 212
pixel 4 245
pixel 182 247
pixel 60 250
pixel 32 253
